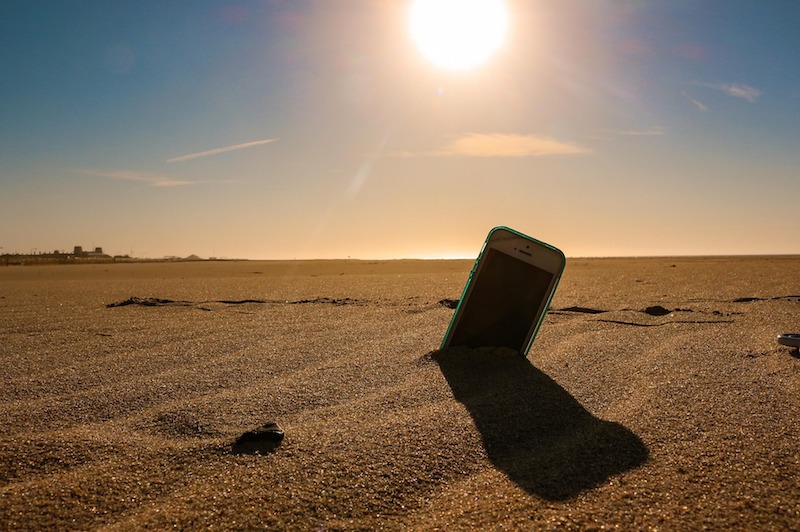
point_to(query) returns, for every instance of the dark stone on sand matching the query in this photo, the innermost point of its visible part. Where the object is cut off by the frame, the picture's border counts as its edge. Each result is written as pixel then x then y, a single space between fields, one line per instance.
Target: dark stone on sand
pixel 326 300
pixel 657 310
pixel 583 310
pixel 147 302
pixel 449 303
pixel 265 438
pixel 271 432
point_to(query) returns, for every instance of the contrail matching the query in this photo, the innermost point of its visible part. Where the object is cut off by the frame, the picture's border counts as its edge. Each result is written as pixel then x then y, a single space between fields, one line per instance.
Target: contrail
pixel 155 180
pixel 215 151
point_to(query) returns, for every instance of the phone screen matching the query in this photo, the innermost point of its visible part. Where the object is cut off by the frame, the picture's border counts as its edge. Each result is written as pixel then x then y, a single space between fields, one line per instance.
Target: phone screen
pixel 504 303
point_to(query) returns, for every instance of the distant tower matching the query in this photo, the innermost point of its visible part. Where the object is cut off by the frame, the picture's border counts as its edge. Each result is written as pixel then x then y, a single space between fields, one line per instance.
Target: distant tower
pixel 99 251
pixel 78 250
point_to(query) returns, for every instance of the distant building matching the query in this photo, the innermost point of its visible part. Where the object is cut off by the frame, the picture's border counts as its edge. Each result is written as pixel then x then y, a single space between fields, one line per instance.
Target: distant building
pixel 78 255
pixel 97 253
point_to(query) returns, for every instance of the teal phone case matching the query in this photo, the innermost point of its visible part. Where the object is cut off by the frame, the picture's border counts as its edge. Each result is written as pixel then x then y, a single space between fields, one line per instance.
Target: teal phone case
pixel 475 268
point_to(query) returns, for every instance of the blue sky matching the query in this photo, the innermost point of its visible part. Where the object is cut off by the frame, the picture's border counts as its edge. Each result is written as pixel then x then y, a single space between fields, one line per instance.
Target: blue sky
pixel 318 129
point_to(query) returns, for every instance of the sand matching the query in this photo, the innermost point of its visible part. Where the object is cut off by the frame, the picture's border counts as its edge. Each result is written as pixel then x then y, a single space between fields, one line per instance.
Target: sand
pixel 124 417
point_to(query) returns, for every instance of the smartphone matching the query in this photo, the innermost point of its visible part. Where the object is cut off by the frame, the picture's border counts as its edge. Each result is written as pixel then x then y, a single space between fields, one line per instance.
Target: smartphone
pixel 507 294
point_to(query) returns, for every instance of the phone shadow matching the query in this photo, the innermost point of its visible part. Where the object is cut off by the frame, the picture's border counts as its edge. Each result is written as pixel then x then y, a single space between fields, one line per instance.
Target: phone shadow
pixel 532 428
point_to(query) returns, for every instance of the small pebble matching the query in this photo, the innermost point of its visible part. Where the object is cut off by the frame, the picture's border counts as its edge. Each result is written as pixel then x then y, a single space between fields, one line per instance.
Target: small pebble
pixel 265 438
pixel 657 310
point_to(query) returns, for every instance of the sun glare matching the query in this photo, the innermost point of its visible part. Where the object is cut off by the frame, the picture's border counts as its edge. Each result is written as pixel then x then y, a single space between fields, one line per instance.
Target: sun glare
pixel 458 34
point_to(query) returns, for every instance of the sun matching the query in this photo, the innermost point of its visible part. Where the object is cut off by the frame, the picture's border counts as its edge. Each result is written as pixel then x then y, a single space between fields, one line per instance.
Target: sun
pixel 458 34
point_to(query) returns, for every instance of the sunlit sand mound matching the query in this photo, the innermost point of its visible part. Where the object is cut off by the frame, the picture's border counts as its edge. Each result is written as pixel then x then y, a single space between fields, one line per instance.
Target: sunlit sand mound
pixel 655 395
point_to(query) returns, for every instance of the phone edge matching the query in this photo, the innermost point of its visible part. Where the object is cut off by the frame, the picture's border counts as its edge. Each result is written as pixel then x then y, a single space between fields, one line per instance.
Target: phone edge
pixel 466 286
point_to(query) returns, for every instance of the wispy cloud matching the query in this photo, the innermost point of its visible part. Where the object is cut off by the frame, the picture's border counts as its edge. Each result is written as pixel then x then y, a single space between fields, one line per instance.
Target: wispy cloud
pixel 697 103
pixel 216 151
pixel 154 180
pixel 651 132
pixel 745 92
pixel 501 145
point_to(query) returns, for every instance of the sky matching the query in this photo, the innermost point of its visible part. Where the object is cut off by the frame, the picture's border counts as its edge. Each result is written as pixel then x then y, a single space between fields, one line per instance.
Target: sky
pixel 320 129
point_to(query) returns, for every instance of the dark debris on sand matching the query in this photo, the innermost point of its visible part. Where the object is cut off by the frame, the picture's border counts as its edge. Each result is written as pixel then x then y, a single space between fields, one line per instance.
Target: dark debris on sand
pixel 657 310
pixel 149 302
pixel 264 439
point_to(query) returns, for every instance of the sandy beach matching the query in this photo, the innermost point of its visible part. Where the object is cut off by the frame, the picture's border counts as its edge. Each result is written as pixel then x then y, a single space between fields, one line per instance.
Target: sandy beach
pixel 656 396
